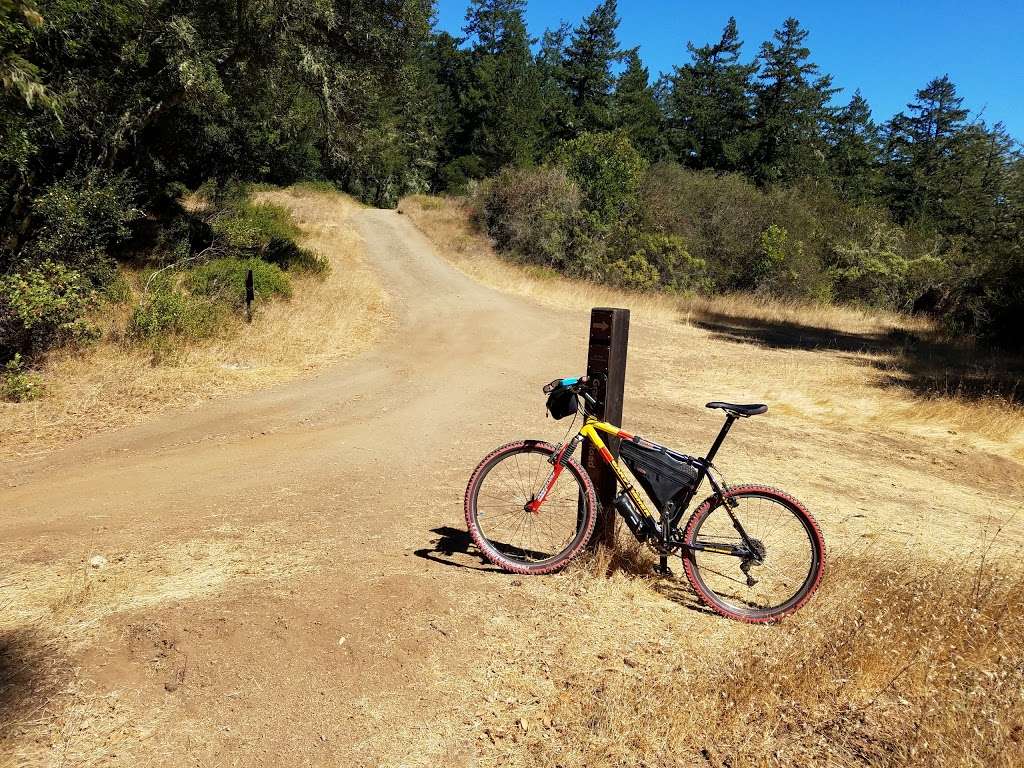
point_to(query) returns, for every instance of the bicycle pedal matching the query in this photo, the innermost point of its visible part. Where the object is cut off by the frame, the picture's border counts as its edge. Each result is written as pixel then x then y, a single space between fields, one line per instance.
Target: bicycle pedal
pixel 663 570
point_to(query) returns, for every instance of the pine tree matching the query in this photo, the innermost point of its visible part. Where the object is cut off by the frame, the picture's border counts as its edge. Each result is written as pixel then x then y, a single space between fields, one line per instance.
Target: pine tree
pixel 854 150
pixel 635 110
pixel 708 104
pixel 791 109
pixel 556 105
pixel 588 69
pixel 502 99
pixel 922 143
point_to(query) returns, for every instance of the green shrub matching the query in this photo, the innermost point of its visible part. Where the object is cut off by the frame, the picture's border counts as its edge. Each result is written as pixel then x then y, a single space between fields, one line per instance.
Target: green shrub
pixel 81 219
pixel 266 231
pixel 42 306
pixel 720 218
pixel 608 171
pixel 673 266
pixel 633 271
pixel 881 270
pixel 18 385
pixel 532 213
pixel 166 311
pixel 224 280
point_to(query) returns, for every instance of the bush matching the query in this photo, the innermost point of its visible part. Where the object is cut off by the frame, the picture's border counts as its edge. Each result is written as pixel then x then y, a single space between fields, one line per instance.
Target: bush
pixel 166 311
pixel 608 171
pixel 670 263
pixel 81 219
pixel 43 306
pixel 880 269
pixel 17 385
pixel 530 212
pixel 266 231
pixel 224 280
pixel 720 218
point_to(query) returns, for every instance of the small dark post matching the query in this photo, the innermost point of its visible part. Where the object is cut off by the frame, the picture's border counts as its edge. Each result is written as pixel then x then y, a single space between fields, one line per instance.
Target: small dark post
pixel 609 337
pixel 250 294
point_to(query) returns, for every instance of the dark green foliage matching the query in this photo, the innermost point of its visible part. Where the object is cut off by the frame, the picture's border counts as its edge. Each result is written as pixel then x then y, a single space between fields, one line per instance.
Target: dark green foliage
pixel 43 305
pixel 854 150
pixel 224 280
pixel 708 105
pixel 608 171
pixel 790 109
pixel 587 70
pixel 635 110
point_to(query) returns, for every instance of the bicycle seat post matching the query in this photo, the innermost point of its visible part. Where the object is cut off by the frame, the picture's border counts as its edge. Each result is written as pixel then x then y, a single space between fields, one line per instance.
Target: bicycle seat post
pixel 729 419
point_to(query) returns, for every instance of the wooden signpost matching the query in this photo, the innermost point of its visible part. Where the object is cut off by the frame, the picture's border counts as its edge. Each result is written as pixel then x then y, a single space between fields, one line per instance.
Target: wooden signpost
pixel 250 295
pixel 609 338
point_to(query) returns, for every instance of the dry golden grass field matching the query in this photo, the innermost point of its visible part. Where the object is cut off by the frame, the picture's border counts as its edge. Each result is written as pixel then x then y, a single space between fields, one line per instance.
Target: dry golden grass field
pixel 286 577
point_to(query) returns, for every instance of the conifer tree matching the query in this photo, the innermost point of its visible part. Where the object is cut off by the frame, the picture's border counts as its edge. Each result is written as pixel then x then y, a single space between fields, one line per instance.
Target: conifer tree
pixel 556 105
pixel 502 98
pixel 708 104
pixel 635 110
pixel 854 150
pixel 588 69
pixel 922 143
pixel 791 109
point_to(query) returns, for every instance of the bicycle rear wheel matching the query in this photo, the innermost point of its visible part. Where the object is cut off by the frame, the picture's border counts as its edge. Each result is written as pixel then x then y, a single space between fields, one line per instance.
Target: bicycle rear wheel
pixel 511 536
pixel 784 572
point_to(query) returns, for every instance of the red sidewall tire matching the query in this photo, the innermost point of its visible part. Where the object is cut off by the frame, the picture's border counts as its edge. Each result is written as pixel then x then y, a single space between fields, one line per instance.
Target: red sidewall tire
pixel 708 598
pixel 472 489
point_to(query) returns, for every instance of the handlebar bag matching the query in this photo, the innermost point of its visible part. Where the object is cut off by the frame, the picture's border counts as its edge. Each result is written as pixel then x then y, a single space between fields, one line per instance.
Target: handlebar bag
pixel 660 474
pixel 563 402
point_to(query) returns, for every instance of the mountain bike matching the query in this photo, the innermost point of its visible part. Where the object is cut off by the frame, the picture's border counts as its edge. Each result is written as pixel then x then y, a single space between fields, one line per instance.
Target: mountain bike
pixel 751 552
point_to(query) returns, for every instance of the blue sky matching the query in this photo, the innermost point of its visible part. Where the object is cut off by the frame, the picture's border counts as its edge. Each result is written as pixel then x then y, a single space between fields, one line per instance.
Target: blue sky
pixel 887 49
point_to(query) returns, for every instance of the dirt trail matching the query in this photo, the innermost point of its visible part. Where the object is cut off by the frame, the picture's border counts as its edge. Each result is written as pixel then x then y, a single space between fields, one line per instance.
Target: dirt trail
pixel 285 583
pixel 270 537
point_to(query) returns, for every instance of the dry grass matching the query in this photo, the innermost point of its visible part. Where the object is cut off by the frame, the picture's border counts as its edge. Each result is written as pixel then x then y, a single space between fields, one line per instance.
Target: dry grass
pixel 897 662
pixel 112 384
pixel 839 365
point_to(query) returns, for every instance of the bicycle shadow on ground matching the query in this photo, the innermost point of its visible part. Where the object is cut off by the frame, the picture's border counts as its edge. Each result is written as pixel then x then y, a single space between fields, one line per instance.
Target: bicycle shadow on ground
pixel 454 547
pixel 678 591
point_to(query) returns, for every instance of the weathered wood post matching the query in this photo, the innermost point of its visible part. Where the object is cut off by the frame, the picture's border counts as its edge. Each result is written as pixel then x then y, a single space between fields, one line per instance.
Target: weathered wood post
pixel 250 294
pixel 609 337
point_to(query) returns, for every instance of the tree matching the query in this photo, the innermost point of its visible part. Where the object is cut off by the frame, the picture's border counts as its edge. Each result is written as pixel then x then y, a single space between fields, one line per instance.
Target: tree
pixel 854 151
pixel 921 145
pixel 588 69
pixel 502 98
pixel 708 105
pixel 635 110
pixel 791 109
pixel 556 105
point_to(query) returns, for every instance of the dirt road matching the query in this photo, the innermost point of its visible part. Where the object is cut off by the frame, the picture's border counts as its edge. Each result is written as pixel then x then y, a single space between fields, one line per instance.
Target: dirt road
pixel 262 597
pixel 281 578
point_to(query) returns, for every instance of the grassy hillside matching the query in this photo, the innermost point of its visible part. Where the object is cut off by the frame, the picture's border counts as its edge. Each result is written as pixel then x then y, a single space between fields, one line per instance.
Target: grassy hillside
pixel 125 375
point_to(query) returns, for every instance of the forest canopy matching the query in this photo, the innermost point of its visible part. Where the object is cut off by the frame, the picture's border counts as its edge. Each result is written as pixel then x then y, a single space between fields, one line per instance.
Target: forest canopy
pixel 743 168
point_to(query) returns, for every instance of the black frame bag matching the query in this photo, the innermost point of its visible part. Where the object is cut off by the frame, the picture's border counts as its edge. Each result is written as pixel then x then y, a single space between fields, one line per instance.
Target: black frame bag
pixel 661 474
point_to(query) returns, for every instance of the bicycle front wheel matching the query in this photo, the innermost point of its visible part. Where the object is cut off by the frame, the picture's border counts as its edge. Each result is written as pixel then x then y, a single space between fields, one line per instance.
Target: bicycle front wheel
pixel 506 531
pixel 777 577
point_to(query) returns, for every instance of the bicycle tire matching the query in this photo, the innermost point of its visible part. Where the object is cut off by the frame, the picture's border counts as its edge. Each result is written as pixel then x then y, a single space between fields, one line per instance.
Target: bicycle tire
pixel 503 556
pixel 697 574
